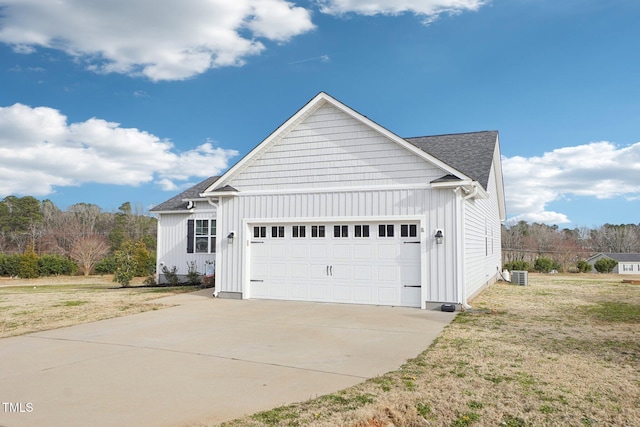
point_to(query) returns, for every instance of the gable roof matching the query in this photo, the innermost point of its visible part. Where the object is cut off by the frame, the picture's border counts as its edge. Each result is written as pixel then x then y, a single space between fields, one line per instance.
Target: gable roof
pixel 180 201
pixel 311 106
pixel 471 153
pixel 620 257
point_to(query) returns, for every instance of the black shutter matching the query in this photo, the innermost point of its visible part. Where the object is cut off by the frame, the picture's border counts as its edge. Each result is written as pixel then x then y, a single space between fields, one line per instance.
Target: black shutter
pixel 190 236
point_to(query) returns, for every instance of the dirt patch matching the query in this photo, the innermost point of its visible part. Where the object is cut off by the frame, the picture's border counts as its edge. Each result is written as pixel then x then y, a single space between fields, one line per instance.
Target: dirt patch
pixel 31 305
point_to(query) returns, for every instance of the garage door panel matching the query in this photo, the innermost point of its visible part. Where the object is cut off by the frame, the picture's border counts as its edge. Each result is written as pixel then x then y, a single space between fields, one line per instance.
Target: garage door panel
pixel 277 271
pixel 388 251
pixel 300 291
pixel 362 252
pixel 387 273
pixel 342 293
pixel 363 294
pixel 362 272
pixel 278 290
pixel 299 271
pixel 318 251
pixel 300 251
pixel 319 292
pixel 387 294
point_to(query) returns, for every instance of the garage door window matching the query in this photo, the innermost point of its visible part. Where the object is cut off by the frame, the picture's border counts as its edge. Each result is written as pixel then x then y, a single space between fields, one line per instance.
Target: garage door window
pixel 361 231
pixel 385 230
pixel 317 231
pixel 408 230
pixel 340 231
pixel 277 231
pixel 259 232
pixel 298 231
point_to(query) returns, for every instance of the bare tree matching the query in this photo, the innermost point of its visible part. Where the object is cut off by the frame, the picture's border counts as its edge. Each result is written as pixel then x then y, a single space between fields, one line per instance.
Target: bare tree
pixel 87 251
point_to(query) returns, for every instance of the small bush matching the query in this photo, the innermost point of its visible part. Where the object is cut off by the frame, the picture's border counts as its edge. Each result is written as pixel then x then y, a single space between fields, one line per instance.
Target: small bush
pixel 518 266
pixel 194 278
pixel 584 266
pixel 605 265
pixel 171 276
pixel 543 264
pixel 106 265
pixel 28 265
pixel 126 264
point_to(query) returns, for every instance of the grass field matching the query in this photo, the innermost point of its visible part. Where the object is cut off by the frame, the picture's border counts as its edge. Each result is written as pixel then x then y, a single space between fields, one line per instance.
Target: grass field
pixel 49 303
pixel 563 351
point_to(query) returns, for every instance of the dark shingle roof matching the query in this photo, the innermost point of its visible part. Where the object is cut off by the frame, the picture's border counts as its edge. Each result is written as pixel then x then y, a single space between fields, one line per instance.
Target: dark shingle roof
pixel 623 257
pixel 470 153
pixel 177 203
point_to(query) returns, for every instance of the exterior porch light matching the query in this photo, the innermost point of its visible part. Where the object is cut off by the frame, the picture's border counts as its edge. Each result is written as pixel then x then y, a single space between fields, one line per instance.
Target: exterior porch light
pixel 230 236
pixel 439 236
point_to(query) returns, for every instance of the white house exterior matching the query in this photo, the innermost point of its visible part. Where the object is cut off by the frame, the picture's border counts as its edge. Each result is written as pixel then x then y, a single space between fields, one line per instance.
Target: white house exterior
pixel 628 263
pixel 332 207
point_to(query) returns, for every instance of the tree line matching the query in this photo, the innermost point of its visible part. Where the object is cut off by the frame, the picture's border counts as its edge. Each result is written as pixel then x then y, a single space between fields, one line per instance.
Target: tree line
pixel 529 246
pixel 38 239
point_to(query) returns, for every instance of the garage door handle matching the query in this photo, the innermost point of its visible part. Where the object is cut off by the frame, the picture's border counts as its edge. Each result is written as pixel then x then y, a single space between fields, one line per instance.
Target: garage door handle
pixel 411 242
pixel 256 241
pixel 411 286
pixel 256 280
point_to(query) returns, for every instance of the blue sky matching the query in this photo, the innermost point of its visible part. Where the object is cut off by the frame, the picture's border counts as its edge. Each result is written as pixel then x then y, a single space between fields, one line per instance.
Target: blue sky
pixel 135 100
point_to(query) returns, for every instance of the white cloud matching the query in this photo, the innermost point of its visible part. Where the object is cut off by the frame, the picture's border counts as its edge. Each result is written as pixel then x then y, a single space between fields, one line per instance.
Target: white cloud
pixel 430 10
pixel 600 169
pixel 39 151
pixel 159 39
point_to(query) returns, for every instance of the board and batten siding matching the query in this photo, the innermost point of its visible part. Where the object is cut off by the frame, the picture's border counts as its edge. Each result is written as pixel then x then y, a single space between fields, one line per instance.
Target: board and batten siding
pixel 436 208
pixel 482 243
pixel 172 239
pixel 330 149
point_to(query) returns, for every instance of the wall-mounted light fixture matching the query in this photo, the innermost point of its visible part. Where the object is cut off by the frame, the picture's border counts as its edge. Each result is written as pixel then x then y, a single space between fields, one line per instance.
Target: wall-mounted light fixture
pixel 439 236
pixel 230 236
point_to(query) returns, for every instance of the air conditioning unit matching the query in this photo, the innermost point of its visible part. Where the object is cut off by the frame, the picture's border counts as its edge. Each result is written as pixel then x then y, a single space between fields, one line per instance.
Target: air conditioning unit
pixel 520 278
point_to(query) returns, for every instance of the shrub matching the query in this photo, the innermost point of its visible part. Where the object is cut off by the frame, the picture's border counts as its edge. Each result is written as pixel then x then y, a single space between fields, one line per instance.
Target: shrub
pixel 55 265
pixel 171 276
pixel 145 262
pixel 543 264
pixel 28 265
pixel 517 265
pixel 194 278
pixel 106 265
pixel 126 264
pixel 605 265
pixel 10 265
pixel 584 266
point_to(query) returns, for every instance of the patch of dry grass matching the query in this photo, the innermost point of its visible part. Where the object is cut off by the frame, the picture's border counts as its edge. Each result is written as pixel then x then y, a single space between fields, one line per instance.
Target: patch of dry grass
pixel 564 351
pixel 50 303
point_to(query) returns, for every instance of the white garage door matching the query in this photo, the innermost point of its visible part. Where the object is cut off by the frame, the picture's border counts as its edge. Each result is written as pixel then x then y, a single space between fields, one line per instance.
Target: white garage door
pixel 362 263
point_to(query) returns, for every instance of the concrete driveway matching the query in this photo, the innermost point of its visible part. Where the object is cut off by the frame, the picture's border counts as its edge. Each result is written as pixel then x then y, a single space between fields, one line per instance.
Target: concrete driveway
pixel 204 360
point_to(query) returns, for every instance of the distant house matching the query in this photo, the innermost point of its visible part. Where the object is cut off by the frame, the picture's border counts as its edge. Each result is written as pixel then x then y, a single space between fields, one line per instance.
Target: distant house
pixel 628 263
pixel 332 207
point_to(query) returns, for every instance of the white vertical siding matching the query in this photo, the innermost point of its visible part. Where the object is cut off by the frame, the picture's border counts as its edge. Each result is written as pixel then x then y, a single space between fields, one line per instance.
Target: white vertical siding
pixel 436 207
pixel 172 239
pixel 483 251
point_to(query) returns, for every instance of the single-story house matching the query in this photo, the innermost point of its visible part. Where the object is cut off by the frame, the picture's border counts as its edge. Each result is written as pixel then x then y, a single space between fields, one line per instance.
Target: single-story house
pixel 628 263
pixel 333 207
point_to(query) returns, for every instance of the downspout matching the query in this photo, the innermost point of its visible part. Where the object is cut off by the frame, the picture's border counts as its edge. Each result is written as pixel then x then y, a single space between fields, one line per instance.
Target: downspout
pixel 460 243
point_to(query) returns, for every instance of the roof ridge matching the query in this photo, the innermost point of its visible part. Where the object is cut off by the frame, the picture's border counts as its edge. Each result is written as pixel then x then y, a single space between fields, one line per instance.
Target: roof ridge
pixel 450 134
